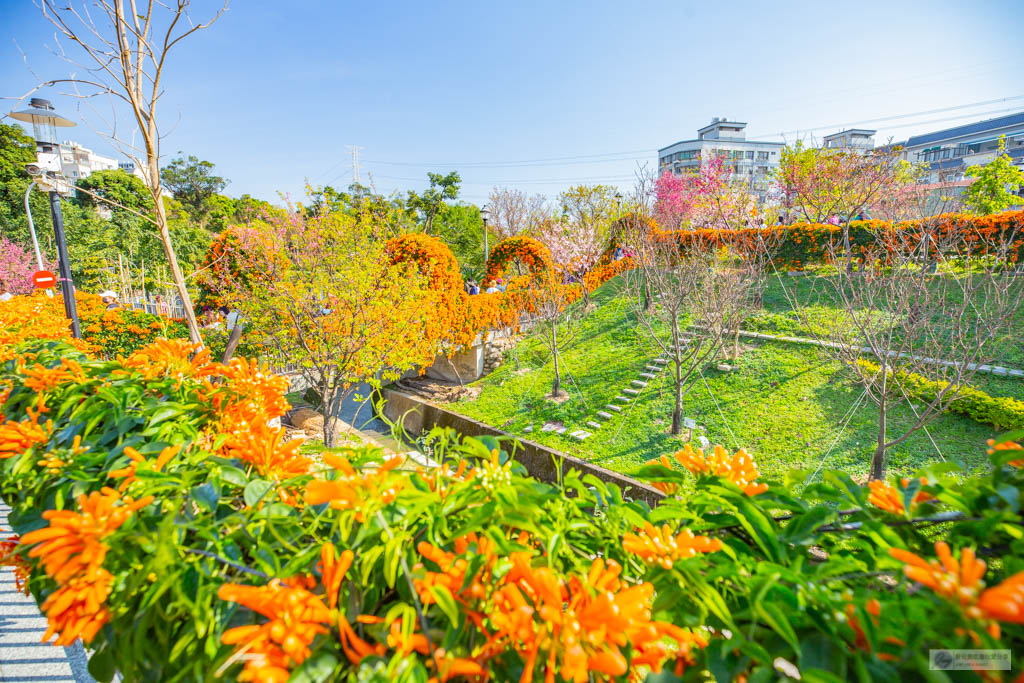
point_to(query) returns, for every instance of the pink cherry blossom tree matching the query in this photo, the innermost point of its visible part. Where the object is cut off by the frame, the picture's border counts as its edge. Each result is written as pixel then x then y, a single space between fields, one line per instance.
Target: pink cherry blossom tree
pixel 16 268
pixel 707 198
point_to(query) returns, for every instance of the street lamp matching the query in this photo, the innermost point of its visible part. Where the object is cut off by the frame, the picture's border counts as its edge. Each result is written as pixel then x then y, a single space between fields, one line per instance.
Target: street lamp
pixel 485 214
pixel 47 172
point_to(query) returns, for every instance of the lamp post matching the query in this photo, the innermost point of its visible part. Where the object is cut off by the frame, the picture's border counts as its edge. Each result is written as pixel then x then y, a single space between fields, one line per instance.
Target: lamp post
pixel 485 214
pixel 44 122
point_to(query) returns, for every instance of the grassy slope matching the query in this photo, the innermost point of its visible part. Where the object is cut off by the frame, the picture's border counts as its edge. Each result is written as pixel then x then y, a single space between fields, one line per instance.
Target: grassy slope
pixel 784 403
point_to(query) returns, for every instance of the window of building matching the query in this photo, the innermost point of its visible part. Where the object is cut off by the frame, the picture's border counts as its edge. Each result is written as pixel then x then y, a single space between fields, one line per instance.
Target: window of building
pixel 762 156
pixel 750 154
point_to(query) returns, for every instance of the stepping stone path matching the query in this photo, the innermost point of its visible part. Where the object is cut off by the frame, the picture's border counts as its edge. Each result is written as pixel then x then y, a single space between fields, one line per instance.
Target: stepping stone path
pixel 648 375
pixel 638 383
pixel 631 392
pixel 661 361
pixel 595 425
pixel 622 399
pixel 617 409
pixel 605 416
pixel 580 435
pixel 654 368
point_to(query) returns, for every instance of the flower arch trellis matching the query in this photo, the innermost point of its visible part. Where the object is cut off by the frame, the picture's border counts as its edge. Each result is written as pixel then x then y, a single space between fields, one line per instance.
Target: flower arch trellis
pixel 529 251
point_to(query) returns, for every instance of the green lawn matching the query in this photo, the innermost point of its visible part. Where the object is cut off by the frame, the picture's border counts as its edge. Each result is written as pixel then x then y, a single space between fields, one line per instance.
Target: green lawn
pixel 783 402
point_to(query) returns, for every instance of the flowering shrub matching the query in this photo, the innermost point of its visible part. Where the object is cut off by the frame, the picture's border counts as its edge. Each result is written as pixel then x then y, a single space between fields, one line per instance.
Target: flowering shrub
pixel 16 268
pixel 527 251
pixel 163 521
pixel 801 244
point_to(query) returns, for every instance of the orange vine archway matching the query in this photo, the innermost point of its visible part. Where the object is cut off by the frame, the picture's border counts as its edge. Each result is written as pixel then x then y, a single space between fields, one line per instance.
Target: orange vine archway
pixel 530 252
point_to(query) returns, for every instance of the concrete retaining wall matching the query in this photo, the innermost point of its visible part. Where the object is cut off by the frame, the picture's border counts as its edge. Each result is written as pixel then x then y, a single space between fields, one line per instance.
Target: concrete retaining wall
pixel 418 415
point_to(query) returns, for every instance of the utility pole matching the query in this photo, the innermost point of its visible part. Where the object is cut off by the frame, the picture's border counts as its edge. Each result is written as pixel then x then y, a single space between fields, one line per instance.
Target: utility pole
pixel 355 161
pixel 66 285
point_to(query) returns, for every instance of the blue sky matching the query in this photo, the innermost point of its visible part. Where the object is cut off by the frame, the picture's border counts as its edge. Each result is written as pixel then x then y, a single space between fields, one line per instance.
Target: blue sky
pixel 540 95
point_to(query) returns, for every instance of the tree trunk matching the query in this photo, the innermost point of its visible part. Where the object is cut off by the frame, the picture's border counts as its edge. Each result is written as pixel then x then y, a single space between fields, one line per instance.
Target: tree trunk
pixel 677 411
pixel 846 247
pixel 878 460
pixel 165 240
pixel 556 384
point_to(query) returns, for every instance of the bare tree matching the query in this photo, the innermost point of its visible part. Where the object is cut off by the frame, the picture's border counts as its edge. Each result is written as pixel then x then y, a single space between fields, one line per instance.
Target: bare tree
pixel 928 303
pixel 698 295
pixel 126 51
pixel 513 212
pixel 548 300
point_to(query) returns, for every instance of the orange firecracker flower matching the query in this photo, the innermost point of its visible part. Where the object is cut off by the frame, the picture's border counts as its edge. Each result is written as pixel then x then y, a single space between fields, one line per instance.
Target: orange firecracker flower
pixel 1004 602
pixel 71 551
pixel 957 581
pixel 739 468
pixel 42 379
pixel 353 490
pixel 962 582
pixel 296 616
pixel 890 499
pixel 1006 446
pixel 452 574
pixel 575 628
pixel 175 358
pixel 256 384
pixel 18 437
pixel 333 569
pixel 129 472
pixel 661 547
pixel 264 447
pixel 9 557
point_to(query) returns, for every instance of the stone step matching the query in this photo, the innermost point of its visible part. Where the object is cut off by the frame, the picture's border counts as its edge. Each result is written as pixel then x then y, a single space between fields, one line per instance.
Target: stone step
pixel 617 409
pixel 648 375
pixel 653 368
pixel 622 399
pixel 631 392
pixel 661 361
pixel 605 416
pixel 638 383
pixel 593 425
pixel 580 435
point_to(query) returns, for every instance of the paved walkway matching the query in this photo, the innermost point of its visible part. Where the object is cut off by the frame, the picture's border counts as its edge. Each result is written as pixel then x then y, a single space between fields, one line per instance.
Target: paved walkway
pixel 23 657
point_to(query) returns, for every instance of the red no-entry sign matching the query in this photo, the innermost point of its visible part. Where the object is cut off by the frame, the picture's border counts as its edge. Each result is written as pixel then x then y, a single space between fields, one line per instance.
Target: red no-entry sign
pixel 44 279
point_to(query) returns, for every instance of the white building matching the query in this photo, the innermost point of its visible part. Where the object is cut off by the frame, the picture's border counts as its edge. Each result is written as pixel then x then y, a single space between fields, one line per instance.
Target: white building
pixel 130 167
pixel 78 162
pixel 950 151
pixel 751 160
pixel 852 139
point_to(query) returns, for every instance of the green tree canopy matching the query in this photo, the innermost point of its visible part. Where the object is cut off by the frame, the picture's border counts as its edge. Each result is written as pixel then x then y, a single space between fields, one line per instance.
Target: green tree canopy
pixel 193 183
pixel 995 185
pixel 429 203
pixel 118 186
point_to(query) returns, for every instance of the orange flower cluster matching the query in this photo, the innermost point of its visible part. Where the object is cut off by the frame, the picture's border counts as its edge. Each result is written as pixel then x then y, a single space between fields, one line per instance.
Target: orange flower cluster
pixel 1006 446
pixel 452 574
pixel 128 473
pixel 961 583
pixel 354 490
pixel 738 468
pixel 18 437
pixel 890 498
pixel 296 616
pixel 71 550
pixel 528 251
pixel 264 447
pixel 659 546
pixel 33 317
pixel 9 557
pixel 575 628
pixel 42 379
pixel 174 358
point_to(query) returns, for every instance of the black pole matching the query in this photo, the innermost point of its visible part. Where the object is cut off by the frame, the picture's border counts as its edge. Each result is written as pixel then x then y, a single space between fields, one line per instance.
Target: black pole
pixel 67 287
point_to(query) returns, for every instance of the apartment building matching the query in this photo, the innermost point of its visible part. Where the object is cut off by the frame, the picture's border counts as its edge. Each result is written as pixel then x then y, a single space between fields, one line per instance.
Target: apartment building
pixel 751 160
pixel 949 152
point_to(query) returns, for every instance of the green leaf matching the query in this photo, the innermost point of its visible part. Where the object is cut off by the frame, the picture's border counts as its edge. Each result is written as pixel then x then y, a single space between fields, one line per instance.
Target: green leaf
pixel 101 665
pixel 233 475
pixel 446 602
pixel 318 667
pixel 800 529
pixel 255 491
pixel 205 496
